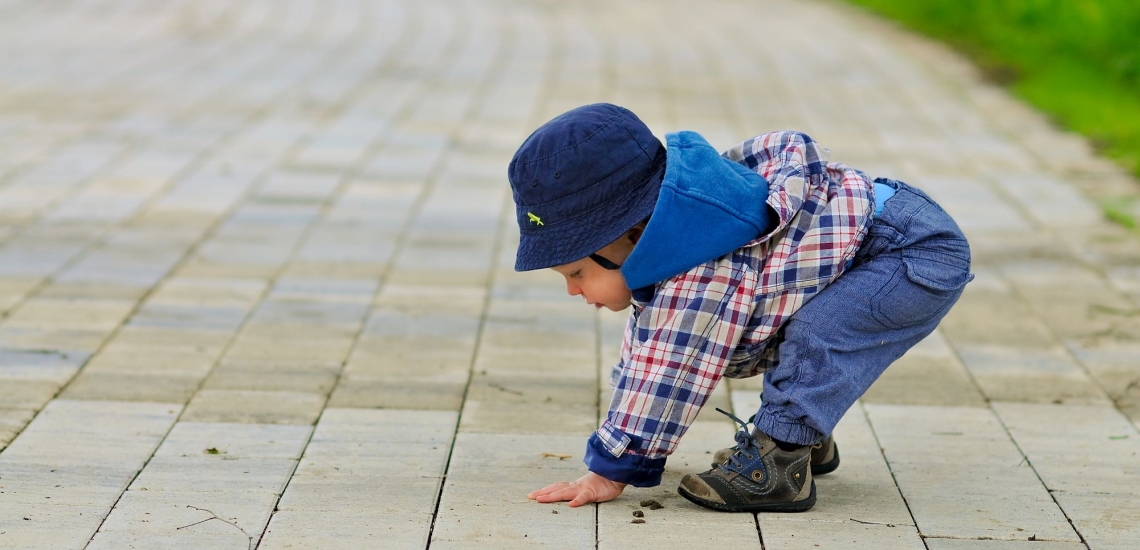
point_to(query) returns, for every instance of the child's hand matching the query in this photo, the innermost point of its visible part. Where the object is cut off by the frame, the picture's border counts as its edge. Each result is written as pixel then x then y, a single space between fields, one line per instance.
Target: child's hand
pixel 589 488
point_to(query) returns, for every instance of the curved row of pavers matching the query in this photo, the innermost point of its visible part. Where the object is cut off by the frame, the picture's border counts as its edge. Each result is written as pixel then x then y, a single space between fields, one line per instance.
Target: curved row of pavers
pixel 272 217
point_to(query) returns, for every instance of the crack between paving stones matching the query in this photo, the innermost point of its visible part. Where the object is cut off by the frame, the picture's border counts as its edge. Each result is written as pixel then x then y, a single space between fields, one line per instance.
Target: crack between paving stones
pixel 759 533
pixel 898 488
pixel 507 35
pixel 495 250
pixel 1027 462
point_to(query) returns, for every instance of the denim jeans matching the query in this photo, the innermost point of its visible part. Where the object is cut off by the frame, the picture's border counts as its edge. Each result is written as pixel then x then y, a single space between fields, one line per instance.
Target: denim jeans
pixel 908 272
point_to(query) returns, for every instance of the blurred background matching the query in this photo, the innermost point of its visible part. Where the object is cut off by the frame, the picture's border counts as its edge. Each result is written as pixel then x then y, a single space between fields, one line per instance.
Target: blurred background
pixel 282 230
pixel 1078 61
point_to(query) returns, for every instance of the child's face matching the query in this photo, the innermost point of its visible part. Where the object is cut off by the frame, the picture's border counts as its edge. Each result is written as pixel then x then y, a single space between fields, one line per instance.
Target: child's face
pixel 601 287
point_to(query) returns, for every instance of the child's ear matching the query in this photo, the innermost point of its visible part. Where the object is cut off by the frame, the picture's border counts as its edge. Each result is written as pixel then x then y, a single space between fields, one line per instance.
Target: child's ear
pixel 634 234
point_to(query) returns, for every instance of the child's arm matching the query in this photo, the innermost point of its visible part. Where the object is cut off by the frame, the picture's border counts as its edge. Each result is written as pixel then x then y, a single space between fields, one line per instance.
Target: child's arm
pixel 588 489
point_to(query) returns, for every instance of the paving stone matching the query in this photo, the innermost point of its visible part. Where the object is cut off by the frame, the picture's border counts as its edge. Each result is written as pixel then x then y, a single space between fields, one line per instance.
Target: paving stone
pixel 372 528
pixel 17 393
pixel 357 461
pixel 992 492
pixel 471 508
pixel 12 422
pixel 234 376
pixel 261 349
pixel 14 289
pixel 153 360
pixel 503 469
pixel 189 317
pixel 1045 196
pixel 822 534
pixel 154 388
pixel 531 390
pixel 208 292
pixel 215 472
pixel 369 392
pixel 536 363
pixel 1105 521
pixel 80 485
pixel 254 407
pixel 47 525
pixel 73 286
pixel 93 433
pixel 497 337
pixel 1092 314
pixel 81 455
pixel 556 454
pixel 398 496
pixel 325 289
pixel 963 544
pixel 661 529
pixel 131 339
pixel 235 440
pixel 985 317
pixel 102 315
pixel 1098 450
pixel 161 513
pixel 498 417
pixel 74 344
pixel 1011 373
pixel 1112 364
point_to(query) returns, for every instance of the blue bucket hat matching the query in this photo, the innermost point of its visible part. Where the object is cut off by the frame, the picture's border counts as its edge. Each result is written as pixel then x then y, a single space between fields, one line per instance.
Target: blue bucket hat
pixel 582 180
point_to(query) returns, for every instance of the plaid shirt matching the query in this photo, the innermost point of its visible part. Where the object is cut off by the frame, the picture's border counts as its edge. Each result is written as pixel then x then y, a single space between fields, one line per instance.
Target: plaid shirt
pixel 718 318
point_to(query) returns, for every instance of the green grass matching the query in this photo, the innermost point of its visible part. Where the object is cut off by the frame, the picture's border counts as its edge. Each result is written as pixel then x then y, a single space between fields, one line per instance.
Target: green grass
pixel 1120 212
pixel 1077 60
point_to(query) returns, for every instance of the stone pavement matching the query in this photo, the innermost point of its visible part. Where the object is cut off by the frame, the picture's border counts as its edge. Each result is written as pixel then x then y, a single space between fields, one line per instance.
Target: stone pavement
pixel 256 285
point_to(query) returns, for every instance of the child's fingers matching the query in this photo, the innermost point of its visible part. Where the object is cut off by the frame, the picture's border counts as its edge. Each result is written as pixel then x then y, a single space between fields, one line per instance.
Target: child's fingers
pixel 547 490
pixel 566 493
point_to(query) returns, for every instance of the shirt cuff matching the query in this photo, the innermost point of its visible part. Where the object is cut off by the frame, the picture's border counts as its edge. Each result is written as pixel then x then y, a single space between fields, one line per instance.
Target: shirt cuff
pixel 636 470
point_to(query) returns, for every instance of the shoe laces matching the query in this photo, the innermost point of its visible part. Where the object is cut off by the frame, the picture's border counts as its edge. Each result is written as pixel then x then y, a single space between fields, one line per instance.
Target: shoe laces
pixel 744 442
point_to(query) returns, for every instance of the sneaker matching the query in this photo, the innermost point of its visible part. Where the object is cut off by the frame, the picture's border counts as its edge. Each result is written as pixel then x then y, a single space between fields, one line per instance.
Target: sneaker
pixel 757 477
pixel 824 456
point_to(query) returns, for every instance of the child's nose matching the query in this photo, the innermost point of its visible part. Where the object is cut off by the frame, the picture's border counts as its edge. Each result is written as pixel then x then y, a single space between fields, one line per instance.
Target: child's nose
pixel 573 289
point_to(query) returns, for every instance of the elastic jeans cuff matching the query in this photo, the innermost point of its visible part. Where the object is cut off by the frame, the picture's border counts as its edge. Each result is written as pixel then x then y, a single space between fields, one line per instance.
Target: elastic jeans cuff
pixel 791 432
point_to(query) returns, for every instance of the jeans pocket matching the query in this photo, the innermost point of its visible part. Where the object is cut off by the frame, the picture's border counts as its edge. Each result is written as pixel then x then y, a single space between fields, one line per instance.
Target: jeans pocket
pixel 943 265
pixel 924 287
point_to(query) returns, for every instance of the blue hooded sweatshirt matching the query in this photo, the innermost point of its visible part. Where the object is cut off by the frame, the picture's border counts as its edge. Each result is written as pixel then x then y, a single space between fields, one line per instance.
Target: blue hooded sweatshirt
pixel 708 206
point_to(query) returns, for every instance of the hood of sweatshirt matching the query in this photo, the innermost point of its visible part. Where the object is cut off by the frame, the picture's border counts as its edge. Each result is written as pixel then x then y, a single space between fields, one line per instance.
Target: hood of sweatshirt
pixel 708 206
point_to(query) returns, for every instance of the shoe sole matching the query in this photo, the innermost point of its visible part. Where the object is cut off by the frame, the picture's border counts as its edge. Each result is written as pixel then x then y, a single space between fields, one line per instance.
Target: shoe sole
pixel 827 467
pixel 797 506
